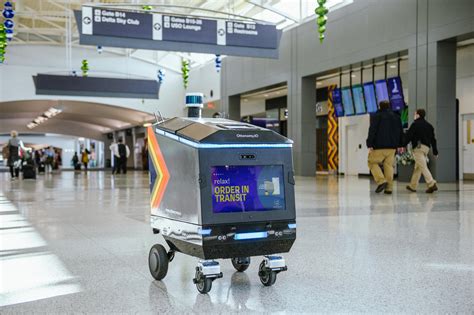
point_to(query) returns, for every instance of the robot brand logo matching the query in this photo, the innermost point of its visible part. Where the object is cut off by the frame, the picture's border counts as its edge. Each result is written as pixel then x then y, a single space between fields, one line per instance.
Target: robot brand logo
pixel 254 136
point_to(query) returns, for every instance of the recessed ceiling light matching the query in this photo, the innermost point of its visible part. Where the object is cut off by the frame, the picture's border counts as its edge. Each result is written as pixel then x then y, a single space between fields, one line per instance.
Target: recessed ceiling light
pixel 277 92
pixel 246 100
pixel 81 139
pixel 146 124
pixel 393 66
pixel 318 83
pixel 353 75
pixel 266 95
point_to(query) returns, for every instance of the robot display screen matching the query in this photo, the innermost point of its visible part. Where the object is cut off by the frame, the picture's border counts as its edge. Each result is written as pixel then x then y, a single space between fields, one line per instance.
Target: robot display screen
pixel 243 188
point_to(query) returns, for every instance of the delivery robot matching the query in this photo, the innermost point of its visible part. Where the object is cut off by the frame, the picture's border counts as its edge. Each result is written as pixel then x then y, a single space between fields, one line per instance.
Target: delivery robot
pixel 220 189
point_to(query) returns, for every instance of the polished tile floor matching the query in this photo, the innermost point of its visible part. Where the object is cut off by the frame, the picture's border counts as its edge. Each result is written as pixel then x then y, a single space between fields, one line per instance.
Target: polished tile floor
pixel 79 243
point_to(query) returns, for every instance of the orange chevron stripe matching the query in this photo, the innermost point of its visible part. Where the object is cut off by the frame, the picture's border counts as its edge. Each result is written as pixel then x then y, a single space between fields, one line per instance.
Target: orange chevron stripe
pixel 159 164
pixel 332 134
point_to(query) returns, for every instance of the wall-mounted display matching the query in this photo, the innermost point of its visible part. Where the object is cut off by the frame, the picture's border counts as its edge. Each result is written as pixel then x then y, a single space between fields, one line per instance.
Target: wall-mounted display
pixel 359 101
pixel 397 101
pixel 347 101
pixel 370 100
pixel 337 102
pixel 381 90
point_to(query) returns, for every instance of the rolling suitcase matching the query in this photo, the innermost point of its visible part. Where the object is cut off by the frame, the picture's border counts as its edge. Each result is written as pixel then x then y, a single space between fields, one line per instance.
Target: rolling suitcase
pixel 41 168
pixel 29 172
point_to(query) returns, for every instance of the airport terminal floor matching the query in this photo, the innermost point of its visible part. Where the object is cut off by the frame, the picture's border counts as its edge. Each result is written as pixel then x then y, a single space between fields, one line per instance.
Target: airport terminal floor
pixel 79 243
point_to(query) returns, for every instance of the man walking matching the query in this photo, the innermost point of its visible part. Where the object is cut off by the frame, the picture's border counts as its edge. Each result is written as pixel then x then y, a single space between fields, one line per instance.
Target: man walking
pixel 422 138
pixel 385 136
pixel 122 153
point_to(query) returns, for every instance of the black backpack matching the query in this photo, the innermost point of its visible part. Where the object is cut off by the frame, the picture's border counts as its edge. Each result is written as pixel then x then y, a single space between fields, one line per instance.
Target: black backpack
pixel 122 150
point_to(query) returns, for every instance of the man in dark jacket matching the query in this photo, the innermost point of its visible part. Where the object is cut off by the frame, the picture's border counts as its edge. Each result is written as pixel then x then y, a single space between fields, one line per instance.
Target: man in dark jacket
pixel 385 136
pixel 422 138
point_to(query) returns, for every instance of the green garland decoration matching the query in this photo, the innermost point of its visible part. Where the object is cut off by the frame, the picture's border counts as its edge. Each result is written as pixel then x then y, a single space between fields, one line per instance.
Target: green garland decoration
pixel 3 42
pixel 147 7
pixel 185 72
pixel 321 11
pixel 85 67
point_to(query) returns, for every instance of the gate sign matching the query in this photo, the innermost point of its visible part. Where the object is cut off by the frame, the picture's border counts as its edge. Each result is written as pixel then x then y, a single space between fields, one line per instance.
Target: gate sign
pixel 111 23
pixel 250 35
pixel 185 29
pixel 172 28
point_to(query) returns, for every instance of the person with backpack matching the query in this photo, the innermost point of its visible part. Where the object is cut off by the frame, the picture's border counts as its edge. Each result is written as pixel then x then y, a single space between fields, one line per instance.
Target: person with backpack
pixel 385 137
pixel 121 152
pixel 75 162
pixel 15 147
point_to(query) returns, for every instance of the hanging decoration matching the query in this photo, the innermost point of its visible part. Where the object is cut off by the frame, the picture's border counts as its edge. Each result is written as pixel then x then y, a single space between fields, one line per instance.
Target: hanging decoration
pixel 3 43
pixel 321 11
pixel 161 75
pixel 6 28
pixel 99 49
pixel 218 63
pixel 147 7
pixel 185 72
pixel 85 67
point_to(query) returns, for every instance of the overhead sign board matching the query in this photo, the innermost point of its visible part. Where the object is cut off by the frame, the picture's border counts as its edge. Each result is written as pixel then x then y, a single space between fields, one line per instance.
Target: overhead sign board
pixel 101 24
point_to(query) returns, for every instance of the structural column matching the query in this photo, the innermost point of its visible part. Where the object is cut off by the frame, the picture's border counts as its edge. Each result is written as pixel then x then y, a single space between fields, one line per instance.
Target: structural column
pixel 302 124
pixel 433 88
pixel 233 107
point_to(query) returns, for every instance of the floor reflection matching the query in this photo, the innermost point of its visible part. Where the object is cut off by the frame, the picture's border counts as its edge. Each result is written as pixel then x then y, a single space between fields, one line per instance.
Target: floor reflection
pixel 28 271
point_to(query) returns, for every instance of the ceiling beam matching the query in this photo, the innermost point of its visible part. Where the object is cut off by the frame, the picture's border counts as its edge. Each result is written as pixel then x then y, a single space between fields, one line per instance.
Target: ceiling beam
pixel 35 32
pixel 264 5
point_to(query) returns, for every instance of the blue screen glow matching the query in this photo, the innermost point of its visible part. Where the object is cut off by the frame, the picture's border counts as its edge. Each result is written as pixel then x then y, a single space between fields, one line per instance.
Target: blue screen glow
pixel 370 100
pixel 347 101
pixel 359 101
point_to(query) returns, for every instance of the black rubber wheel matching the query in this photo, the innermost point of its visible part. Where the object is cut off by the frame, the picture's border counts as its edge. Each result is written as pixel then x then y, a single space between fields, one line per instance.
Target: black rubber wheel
pixel 158 261
pixel 267 278
pixel 203 285
pixel 238 266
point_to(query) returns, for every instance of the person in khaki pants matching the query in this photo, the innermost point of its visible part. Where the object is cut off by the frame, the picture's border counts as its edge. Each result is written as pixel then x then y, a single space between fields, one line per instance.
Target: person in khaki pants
pixel 385 136
pixel 422 137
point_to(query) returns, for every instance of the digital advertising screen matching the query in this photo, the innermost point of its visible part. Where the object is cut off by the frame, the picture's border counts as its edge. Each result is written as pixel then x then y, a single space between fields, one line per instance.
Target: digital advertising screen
pixel 244 188
pixel 381 90
pixel 347 101
pixel 337 102
pixel 359 101
pixel 370 100
pixel 395 91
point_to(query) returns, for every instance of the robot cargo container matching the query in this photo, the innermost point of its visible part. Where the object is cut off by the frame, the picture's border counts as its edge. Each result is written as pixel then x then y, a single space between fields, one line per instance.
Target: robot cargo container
pixel 220 189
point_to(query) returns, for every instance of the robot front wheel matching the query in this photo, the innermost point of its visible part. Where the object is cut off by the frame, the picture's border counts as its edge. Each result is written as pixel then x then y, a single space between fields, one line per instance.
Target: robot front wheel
pixel 203 284
pixel 267 277
pixel 158 260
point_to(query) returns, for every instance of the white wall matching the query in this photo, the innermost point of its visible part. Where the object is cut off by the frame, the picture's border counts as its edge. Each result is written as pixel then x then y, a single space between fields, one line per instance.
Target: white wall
pixel 359 126
pixel 465 94
pixel 67 144
pixel 23 62
pixel 465 79
pixel 252 107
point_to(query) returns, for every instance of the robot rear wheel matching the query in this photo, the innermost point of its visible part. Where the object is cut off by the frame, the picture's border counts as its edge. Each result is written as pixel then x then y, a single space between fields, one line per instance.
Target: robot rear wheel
pixel 158 261
pixel 241 263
